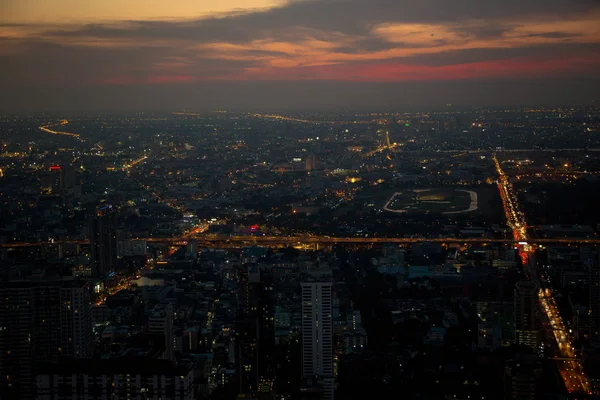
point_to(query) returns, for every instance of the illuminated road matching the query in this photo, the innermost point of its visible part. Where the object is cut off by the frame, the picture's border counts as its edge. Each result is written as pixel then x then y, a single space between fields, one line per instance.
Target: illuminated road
pixel 386 145
pixel 188 114
pixel 136 162
pixel 570 369
pixel 46 128
pixel 381 148
pixel 218 240
pixel 308 121
pixel 514 217
pixel 129 166
pixel 197 231
pixel 484 151
pixel 285 118
pixel 125 282
pixel 553 174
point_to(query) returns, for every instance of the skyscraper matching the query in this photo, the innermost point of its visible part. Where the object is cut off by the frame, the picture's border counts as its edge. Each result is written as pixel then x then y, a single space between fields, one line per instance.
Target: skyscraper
pixel 255 334
pixel 76 320
pixel 161 322
pixel 59 180
pixel 522 378
pixel 526 318
pixel 55 179
pixel 317 330
pixel 40 321
pixel 594 289
pixel 103 240
pixel 311 162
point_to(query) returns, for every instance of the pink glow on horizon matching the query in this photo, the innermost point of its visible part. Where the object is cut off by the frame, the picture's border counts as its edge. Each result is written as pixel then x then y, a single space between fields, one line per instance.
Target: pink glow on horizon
pixel 397 72
pixel 160 79
pixel 171 79
pixel 384 72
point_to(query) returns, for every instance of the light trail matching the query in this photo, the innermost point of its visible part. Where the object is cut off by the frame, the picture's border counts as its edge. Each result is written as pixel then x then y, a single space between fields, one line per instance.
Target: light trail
pixel 513 216
pixel 308 121
pixel 569 366
pixel 387 145
pixel 46 128
pixel 381 148
pixel 216 240
pixel 284 118
pixel 126 282
pixel 188 114
pixel 134 162
pixel 571 371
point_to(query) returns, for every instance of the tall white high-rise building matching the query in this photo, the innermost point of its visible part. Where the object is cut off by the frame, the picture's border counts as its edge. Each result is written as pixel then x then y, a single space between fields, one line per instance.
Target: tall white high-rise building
pixel 317 330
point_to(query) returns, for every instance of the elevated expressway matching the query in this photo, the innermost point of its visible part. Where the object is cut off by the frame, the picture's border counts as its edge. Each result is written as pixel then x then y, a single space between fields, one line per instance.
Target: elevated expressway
pixel 212 240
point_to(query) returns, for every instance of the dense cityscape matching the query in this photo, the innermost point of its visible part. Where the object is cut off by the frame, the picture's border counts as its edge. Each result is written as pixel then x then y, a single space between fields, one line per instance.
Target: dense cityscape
pixel 299 200
pixel 442 254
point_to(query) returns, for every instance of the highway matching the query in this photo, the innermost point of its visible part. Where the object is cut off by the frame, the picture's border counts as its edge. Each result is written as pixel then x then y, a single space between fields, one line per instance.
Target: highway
pixel 135 162
pixel 381 148
pixel 514 218
pixel 487 151
pixel 216 240
pixel 212 240
pixel 569 367
pixel 305 121
pixel 46 128
pixel 125 282
pixel 386 145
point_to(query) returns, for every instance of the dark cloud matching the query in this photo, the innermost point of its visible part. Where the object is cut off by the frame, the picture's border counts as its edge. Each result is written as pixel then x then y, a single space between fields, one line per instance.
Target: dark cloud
pixel 366 45
pixel 262 53
pixel 50 64
pixel 484 31
pixel 553 35
pixel 467 56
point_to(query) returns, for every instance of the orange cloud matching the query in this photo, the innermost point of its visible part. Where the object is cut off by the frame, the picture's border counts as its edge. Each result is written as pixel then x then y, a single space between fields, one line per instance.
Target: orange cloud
pixel 300 53
pixel 410 40
pixel 77 11
pixel 427 38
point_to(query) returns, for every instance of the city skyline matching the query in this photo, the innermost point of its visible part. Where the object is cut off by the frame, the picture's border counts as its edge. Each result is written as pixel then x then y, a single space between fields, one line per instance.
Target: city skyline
pixel 61 55
pixel 314 255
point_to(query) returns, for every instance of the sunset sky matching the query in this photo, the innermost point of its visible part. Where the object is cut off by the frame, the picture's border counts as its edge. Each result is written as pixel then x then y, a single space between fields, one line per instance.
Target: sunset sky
pixel 136 54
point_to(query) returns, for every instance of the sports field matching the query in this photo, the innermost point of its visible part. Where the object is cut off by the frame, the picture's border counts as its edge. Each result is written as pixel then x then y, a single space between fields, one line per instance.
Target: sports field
pixel 438 201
